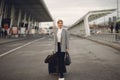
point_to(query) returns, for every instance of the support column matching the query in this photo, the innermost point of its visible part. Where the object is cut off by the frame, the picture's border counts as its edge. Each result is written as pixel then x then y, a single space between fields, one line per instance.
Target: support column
pixel 1 10
pixel 29 22
pixel 24 20
pixel 35 23
pixel 86 24
pixel 19 18
pixel 12 15
pixel 29 18
pixel 32 23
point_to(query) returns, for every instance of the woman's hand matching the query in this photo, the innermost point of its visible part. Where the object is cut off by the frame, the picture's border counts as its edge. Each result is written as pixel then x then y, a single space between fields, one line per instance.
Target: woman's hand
pixel 67 50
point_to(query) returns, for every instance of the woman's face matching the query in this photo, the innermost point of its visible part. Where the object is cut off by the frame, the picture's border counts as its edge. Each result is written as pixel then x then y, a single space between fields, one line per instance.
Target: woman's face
pixel 60 25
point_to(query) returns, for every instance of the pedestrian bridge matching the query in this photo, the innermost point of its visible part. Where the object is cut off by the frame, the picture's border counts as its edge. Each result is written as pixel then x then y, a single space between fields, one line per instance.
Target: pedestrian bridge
pixel 81 27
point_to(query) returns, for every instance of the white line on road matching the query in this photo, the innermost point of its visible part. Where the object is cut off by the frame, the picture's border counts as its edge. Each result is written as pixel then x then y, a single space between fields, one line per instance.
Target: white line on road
pixel 19 47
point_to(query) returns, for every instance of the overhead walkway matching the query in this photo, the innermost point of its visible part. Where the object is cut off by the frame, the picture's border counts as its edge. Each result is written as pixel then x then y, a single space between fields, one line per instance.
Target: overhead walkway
pixel 81 27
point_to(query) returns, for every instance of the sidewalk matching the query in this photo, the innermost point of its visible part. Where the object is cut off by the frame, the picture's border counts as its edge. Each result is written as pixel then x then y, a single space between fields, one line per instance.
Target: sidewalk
pixel 113 44
pixel 7 40
pixel 12 39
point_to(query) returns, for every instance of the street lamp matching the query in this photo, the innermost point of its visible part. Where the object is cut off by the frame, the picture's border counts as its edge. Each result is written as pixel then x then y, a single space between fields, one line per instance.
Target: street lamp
pixel 117 9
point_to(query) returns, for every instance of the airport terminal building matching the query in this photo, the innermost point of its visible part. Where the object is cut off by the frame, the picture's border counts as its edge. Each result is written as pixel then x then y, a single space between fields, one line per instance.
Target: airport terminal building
pixel 20 16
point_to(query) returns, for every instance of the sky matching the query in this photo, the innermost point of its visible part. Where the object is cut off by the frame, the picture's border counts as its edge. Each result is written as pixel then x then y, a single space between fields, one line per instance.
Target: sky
pixel 72 10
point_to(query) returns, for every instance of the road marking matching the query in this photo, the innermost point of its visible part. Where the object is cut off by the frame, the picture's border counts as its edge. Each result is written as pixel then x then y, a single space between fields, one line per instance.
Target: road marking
pixel 19 47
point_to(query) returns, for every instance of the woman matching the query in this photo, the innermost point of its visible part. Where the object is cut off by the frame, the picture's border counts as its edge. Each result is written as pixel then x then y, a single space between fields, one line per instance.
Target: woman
pixel 61 47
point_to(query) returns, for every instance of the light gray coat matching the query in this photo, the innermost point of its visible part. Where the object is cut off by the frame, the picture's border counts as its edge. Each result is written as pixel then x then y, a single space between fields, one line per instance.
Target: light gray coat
pixel 64 41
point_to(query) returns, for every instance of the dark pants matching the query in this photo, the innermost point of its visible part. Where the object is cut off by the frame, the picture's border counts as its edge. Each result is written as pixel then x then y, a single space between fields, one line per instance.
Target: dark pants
pixel 61 63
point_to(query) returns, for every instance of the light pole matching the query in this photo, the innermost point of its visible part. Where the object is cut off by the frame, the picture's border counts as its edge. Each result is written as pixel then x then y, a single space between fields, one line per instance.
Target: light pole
pixel 117 9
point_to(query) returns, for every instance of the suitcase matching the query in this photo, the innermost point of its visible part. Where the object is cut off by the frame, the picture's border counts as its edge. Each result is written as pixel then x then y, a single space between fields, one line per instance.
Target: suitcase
pixel 52 65
pixel 52 68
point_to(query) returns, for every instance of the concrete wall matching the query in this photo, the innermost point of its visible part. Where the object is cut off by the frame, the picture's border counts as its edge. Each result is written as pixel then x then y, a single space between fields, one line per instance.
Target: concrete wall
pixel 78 29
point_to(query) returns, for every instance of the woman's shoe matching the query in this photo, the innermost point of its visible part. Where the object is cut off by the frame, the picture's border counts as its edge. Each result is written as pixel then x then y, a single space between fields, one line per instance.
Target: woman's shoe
pixel 61 79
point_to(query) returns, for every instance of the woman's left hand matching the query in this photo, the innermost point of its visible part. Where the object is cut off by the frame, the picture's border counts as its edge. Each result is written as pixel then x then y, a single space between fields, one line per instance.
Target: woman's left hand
pixel 67 50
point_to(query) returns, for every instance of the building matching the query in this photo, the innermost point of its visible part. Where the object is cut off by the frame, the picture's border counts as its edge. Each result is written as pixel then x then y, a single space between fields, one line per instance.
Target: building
pixel 24 15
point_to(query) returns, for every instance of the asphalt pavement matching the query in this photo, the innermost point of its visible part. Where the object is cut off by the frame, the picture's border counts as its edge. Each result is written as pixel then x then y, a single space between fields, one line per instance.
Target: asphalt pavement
pixel 90 61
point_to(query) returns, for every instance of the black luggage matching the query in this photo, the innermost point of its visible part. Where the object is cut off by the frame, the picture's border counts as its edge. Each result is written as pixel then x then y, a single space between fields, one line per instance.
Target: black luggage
pixel 52 67
pixel 52 63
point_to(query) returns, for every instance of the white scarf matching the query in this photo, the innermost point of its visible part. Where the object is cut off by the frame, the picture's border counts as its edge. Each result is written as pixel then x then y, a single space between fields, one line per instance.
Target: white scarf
pixel 59 32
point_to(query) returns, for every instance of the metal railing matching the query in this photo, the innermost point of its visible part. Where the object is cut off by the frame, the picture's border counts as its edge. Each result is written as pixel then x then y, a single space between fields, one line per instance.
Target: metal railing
pixel 111 37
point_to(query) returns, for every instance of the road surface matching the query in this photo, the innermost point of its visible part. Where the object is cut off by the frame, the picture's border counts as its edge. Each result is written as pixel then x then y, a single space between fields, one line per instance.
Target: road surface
pixel 90 61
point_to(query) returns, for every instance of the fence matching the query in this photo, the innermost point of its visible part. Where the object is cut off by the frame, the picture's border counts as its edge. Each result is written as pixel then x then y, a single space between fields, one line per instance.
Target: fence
pixel 111 37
